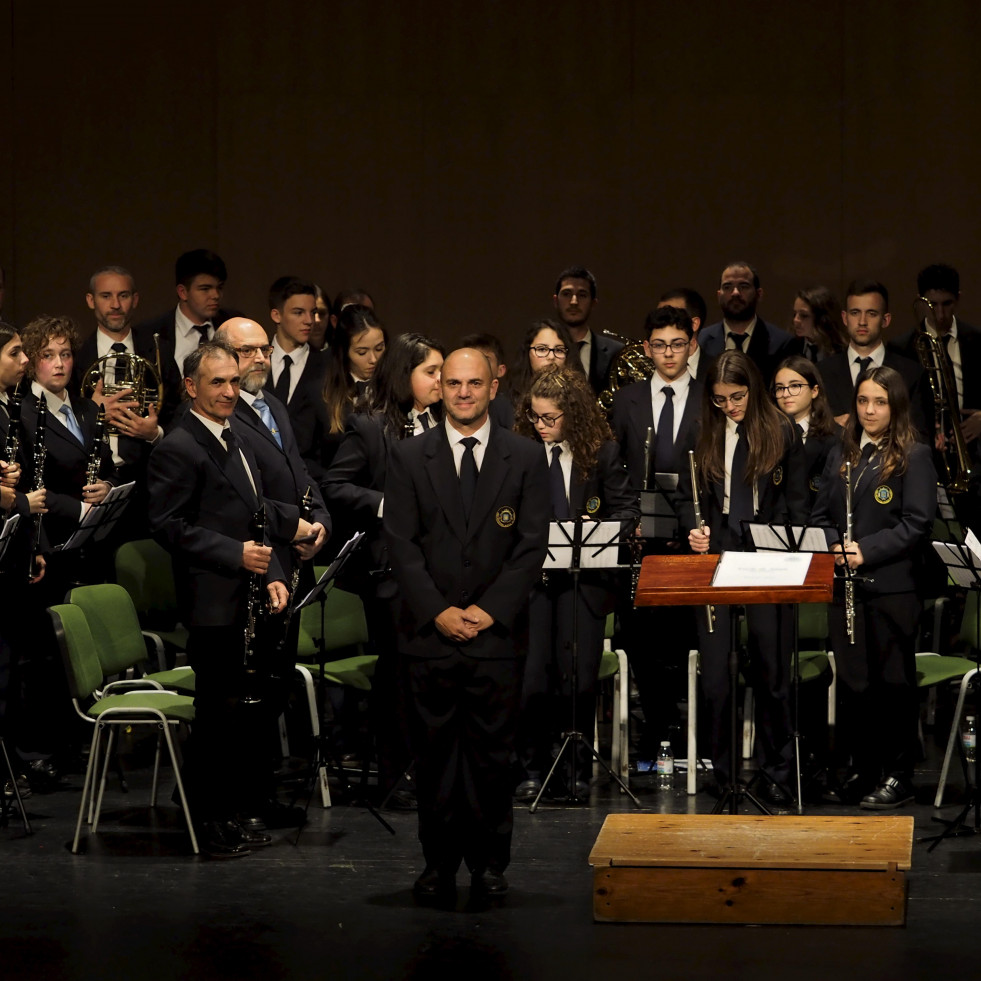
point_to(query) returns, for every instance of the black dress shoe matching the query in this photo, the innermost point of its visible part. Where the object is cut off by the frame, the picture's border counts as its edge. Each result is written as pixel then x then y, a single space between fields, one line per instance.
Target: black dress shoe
pixel 273 814
pixel 891 793
pixel 43 775
pixel 223 839
pixel 252 838
pixel 850 790
pixel 770 792
pixel 527 790
pixel 489 883
pixel 434 884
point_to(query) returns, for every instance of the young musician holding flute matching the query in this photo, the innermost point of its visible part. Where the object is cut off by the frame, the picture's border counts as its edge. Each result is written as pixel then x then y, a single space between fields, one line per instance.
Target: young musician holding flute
pixel 893 501
pixel 750 468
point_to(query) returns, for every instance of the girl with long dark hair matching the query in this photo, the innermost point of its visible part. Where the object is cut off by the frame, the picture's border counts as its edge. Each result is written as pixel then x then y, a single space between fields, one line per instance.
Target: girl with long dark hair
pixel 894 500
pixel 546 343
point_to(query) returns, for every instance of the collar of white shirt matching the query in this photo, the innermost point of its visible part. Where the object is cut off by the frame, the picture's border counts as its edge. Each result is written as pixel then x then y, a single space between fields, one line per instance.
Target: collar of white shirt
pixel 104 343
pixel 298 357
pixel 679 386
pixel 454 437
pixel 727 329
pixel 877 356
pixel 215 428
pixel 55 402
pixel 184 326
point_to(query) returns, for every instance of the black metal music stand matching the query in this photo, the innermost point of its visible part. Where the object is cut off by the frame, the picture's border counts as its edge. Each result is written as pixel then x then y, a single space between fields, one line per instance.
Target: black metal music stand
pixel 567 543
pixel 964 567
pixel 99 520
pixel 657 514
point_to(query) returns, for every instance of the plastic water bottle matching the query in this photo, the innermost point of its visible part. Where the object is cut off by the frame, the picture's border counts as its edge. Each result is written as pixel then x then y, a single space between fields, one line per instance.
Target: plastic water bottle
pixel 665 767
pixel 969 740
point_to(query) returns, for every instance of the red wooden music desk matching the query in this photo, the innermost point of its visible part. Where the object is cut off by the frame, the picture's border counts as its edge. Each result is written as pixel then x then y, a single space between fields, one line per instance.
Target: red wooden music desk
pixel 686 580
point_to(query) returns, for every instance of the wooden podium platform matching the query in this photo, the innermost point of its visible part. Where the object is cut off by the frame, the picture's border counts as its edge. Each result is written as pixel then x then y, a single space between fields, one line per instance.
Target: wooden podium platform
pixel 702 868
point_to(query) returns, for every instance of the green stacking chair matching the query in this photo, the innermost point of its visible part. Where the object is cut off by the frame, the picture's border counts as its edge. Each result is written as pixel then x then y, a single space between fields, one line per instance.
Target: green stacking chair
pixel 110 706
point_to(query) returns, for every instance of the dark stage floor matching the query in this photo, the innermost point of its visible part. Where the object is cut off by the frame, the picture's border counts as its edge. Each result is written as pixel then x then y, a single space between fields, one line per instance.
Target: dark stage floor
pixel 338 905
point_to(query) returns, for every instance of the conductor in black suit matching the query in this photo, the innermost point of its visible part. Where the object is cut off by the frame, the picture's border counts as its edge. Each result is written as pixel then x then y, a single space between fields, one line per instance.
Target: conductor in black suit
pixel 741 328
pixel 467 507
pixel 200 281
pixel 205 490
pixel 574 300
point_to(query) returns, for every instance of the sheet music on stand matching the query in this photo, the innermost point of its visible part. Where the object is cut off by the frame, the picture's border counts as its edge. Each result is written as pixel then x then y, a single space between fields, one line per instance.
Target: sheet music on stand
pixel 99 520
pixel 787 538
pixel 599 546
pixel 7 533
pixel 331 571
pixel 946 514
pixel 963 562
pixel 657 516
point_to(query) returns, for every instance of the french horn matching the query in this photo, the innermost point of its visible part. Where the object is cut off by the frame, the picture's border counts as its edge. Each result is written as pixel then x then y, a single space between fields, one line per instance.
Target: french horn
pixel 120 371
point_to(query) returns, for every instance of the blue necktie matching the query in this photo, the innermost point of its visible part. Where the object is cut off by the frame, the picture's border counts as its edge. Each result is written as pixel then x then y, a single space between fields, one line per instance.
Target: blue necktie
pixel 265 414
pixel 71 423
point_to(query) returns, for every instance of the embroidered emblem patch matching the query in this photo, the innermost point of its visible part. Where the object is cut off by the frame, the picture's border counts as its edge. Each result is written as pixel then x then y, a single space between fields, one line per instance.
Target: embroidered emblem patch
pixel 505 517
pixel 778 477
pixel 815 484
pixel 883 493
pixel 592 505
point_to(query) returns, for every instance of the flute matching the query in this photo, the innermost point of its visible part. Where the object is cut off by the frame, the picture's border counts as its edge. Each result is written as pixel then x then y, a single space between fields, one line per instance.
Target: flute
pixel 647 457
pixel 693 466
pixel 40 454
pixel 849 582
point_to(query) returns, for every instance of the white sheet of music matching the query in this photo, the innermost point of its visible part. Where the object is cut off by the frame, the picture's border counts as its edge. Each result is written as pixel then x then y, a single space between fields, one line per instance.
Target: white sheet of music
pixel 762 569
pixel 971 541
pixel 596 553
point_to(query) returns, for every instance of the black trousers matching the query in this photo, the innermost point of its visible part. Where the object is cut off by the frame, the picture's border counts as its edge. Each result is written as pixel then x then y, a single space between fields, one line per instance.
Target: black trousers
pixel 878 704
pixel 463 720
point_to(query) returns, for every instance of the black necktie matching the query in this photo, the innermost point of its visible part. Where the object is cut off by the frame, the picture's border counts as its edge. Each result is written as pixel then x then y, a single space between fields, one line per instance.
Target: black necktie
pixel 120 367
pixel 945 342
pixel 664 460
pixel 810 351
pixel 282 389
pixel 738 340
pixel 235 465
pixel 468 474
pixel 423 418
pixel 740 492
pixel 560 503
pixel 800 431
pixel 202 330
pixel 863 366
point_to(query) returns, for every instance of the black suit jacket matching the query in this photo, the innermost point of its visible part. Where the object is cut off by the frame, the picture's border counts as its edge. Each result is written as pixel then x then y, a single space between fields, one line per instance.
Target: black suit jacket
pixel 892 517
pixel 768 345
pixel 284 474
pixel 441 560
pixel 605 349
pixel 64 465
pixel 203 517
pixel 782 494
pixel 969 339
pixel 840 390
pixel 816 451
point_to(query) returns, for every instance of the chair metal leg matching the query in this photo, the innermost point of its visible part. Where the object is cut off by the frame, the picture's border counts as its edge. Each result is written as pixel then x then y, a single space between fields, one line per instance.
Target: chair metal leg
pixel 156 768
pixel 94 755
pixel 110 741
pixel 621 714
pixel 314 711
pixel 87 787
pixel 952 738
pixel 692 721
pixel 180 789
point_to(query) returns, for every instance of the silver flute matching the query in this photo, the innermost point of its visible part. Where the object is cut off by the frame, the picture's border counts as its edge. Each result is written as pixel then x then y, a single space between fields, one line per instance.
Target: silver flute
pixel 693 466
pixel 849 582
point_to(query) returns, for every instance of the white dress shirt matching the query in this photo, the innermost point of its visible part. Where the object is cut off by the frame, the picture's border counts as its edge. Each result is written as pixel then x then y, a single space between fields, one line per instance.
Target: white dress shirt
pixel 454 437
pixel 680 398
pixel 877 356
pixel 565 462
pixel 298 357
pixel 730 344
pixel 216 429
pixel 187 338
pixel 731 437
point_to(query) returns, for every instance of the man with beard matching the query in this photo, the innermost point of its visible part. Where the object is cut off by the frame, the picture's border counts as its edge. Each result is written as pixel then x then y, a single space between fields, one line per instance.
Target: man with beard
pixel 741 329
pixel 574 300
pixel 467 508
pixel 260 420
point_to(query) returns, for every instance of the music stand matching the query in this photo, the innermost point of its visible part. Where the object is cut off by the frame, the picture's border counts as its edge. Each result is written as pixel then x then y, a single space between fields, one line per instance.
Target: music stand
pixel 964 567
pixel 6 806
pixel 575 545
pixel 791 538
pixel 657 514
pixel 99 520
pixel 688 580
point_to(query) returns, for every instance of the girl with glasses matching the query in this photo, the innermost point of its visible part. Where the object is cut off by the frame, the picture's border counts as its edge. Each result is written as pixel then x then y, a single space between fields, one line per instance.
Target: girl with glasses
pixel 894 499
pixel 750 468
pixel 546 343
pixel 799 392
pixel 588 481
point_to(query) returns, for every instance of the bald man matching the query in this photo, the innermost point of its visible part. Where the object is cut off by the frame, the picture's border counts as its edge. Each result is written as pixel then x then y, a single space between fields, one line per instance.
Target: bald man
pixel 467 508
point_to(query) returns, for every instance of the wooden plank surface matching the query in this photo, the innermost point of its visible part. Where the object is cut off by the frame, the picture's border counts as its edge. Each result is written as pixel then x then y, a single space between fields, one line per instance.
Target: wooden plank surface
pixel 754 841
pixel 686 580
pixel 816 897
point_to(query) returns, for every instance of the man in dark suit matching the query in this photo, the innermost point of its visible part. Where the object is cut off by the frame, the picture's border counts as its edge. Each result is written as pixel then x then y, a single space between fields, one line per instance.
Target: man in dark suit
pixel 741 329
pixel 574 300
pixel 200 276
pixel 467 506
pixel 673 423
pixel 866 317
pixel 297 374
pixel 205 493
pixel 691 301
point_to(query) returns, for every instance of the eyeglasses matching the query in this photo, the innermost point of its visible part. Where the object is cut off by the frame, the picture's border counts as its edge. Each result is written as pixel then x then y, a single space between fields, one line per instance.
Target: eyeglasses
pixel 547 421
pixel 543 351
pixel 738 287
pixel 737 398
pixel 794 388
pixel 248 350
pixel 677 346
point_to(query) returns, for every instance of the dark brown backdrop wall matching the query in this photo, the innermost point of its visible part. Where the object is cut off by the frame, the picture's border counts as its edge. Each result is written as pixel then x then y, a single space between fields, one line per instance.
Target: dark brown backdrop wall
pixel 452 157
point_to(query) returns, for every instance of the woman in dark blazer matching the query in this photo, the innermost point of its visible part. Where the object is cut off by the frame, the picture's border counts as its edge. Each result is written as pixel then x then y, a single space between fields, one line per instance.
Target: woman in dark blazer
pixel 799 393
pixel 751 468
pixel 589 480
pixel 403 399
pixel 894 500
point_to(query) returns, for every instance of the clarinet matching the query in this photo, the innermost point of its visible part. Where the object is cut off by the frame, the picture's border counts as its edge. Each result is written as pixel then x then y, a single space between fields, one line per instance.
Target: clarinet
pixel 12 446
pixel 849 581
pixel 306 512
pixel 95 455
pixel 254 613
pixel 40 454
pixel 709 610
